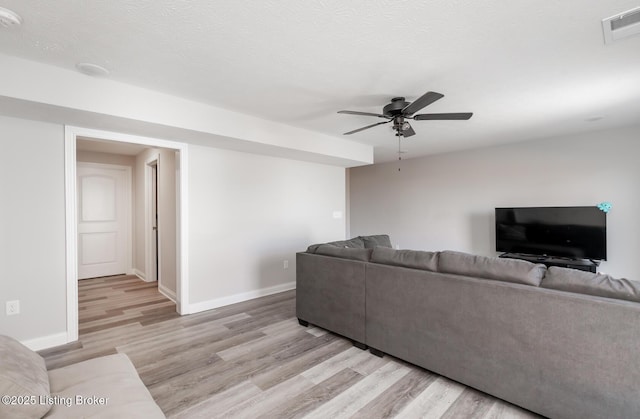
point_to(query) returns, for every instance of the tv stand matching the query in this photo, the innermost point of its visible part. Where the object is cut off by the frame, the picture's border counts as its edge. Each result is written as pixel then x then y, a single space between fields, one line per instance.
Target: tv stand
pixel 580 264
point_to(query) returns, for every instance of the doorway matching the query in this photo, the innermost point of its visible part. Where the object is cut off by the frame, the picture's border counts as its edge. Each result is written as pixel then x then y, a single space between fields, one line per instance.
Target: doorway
pixel 181 209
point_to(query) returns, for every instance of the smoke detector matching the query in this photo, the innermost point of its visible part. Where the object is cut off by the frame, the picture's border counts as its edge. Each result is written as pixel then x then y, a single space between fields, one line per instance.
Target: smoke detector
pixel 622 25
pixel 91 69
pixel 9 18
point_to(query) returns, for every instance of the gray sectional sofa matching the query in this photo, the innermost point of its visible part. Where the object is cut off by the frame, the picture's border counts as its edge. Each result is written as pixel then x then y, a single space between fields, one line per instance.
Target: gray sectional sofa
pixel 560 342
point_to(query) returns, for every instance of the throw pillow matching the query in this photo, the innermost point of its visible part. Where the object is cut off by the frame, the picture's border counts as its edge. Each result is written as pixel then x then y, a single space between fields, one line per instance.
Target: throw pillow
pixel 23 373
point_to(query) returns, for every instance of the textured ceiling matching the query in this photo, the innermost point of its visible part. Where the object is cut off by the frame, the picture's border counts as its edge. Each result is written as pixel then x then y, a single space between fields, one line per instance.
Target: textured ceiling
pixel 527 69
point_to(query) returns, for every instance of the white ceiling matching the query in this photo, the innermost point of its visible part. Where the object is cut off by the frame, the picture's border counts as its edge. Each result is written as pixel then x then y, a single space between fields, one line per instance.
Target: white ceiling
pixel 527 69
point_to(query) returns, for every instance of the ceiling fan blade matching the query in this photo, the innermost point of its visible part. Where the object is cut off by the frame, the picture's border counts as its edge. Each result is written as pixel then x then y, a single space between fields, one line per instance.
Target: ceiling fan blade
pixel 443 116
pixel 424 100
pixel 364 113
pixel 367 127
pixel 408 132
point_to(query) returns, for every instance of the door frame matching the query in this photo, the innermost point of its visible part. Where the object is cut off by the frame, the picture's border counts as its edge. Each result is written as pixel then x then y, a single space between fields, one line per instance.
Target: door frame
pixel 71 217
pixel 128 214
pixel 152 269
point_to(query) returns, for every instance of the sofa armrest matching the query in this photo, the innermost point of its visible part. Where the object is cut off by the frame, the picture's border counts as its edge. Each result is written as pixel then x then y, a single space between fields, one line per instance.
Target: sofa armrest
pixel 330 294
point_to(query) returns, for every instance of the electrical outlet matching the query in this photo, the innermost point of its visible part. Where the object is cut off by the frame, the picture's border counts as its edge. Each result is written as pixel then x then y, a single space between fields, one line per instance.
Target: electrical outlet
pixel 286 264
pixel 13 307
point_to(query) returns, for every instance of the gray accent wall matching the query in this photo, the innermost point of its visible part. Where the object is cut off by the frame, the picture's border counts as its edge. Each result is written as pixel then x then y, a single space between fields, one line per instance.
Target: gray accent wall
pixel 447 201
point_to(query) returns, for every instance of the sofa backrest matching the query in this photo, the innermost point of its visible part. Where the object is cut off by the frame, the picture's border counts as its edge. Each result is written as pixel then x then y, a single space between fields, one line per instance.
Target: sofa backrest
pixel 363 255
pixel 600 285
pixel 415 259
pixel 508 270
pixel 377 240
pixel 360 242
pixel 355 243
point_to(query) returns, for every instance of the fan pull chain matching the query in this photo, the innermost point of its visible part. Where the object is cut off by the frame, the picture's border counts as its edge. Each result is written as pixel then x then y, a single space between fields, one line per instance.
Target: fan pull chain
pixel 399 150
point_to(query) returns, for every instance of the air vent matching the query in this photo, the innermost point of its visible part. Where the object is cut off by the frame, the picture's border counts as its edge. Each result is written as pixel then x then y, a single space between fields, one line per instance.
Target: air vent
pixel 622 25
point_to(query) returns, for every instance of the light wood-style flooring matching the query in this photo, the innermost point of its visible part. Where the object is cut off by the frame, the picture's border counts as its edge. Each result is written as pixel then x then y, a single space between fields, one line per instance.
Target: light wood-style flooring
pixel 253 360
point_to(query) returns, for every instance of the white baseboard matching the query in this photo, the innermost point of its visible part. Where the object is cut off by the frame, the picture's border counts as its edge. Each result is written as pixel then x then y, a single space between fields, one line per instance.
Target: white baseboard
pixel 139 274
pixel 46 342
pixel 238 298
pixel 167 292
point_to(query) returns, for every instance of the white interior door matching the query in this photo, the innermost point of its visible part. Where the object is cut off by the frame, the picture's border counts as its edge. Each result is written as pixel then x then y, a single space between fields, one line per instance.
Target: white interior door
pixel 104 214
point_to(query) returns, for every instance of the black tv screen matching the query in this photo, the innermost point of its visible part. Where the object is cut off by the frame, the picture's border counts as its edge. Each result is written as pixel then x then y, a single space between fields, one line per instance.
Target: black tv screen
pixel 574 232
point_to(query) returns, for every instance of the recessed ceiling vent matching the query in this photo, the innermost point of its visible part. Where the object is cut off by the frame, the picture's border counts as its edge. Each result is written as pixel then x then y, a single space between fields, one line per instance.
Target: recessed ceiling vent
pixel 622 25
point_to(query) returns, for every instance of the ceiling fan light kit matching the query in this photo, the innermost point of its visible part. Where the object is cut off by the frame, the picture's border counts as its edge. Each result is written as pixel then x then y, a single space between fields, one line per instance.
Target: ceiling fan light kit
pixel 399 110
pixel 9 18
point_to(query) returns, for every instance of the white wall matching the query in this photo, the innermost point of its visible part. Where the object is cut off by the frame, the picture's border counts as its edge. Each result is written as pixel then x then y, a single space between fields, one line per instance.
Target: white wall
pixel 32 228
pixel 249 213
pixel 447 201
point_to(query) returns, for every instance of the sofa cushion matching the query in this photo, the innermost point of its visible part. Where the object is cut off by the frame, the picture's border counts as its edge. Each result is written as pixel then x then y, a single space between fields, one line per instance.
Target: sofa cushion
pixel 415 259
pixel 314 247
pixel 22 373
pixel 344 252
pixel 112 378
pixel 380 240
pixel 582 282
pixel 508 270
pixel 355 243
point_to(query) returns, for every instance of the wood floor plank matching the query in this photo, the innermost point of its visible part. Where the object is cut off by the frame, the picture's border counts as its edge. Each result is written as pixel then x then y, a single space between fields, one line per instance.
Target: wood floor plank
pixel 357 396
pixel 471 404
pixel 333 365
pixel 305 402
pixel 434 400
pixel 503 410
pixel 397 396
pixel 296 365
pixel 221 402
pixel 253 359
pixel 269 399
pixel 266 343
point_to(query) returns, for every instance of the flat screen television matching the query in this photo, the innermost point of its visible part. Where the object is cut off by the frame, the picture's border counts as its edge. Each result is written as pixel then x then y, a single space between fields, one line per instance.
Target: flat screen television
pixel 573 232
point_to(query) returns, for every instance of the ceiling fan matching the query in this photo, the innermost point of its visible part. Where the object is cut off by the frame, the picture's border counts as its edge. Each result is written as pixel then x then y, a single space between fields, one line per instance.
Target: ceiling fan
pixel 399 110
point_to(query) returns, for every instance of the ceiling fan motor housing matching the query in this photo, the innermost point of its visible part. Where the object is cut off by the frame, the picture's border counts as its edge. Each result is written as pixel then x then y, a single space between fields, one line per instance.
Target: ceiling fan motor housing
pixel 399 110
pixel 395 107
